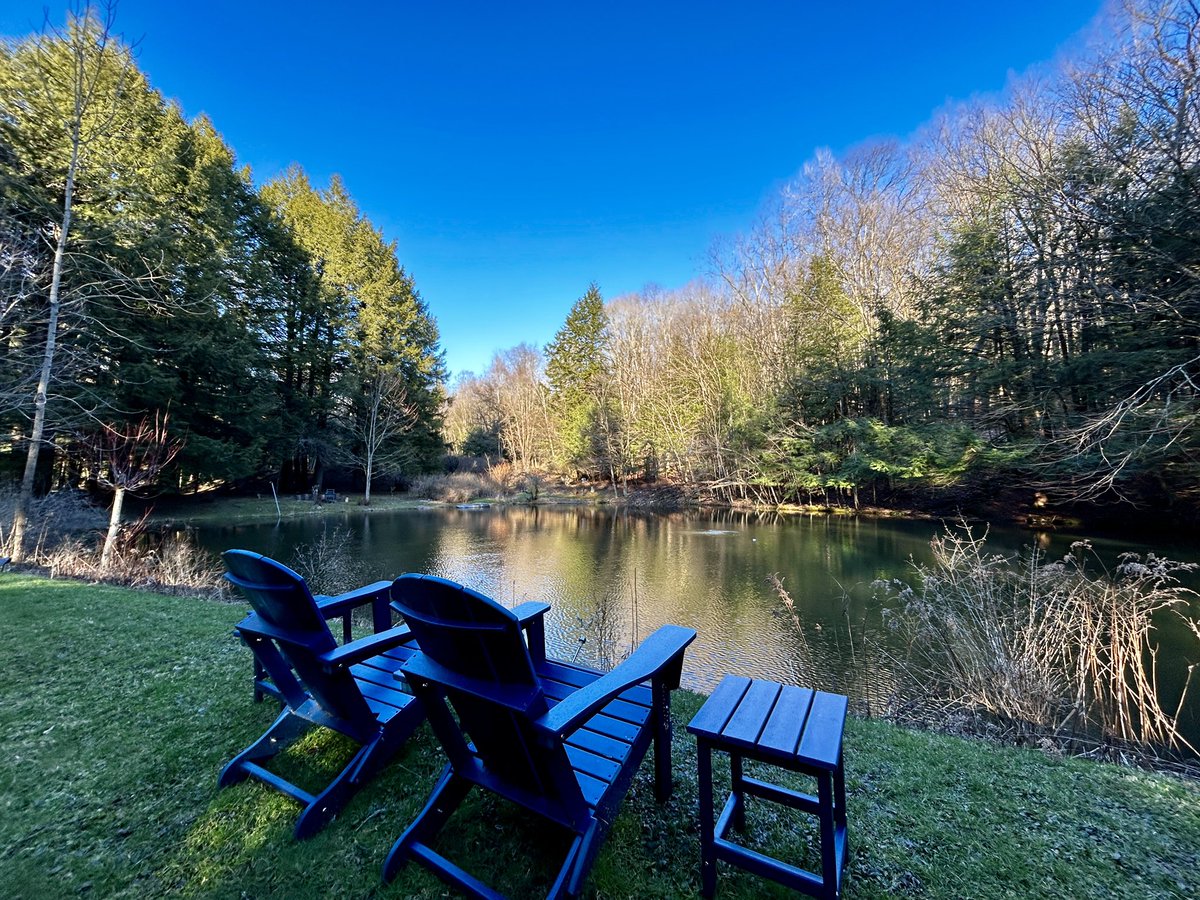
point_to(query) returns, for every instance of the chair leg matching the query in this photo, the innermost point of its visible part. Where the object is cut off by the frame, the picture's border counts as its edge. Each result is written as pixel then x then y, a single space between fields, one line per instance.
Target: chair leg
pixel 379 752
pixel 362 767
pixel 579 861
pixel 283 731
pixel 327 804
pixel 663 785
pixel 445 799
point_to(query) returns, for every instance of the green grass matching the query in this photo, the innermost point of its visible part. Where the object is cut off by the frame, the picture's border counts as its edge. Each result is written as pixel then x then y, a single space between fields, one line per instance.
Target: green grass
pixel 223 510
pixel 118 708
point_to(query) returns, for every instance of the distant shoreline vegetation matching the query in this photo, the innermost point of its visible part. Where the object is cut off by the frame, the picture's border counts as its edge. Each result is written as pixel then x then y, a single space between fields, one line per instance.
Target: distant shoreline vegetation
pixel 1009 300
pixel 1000 316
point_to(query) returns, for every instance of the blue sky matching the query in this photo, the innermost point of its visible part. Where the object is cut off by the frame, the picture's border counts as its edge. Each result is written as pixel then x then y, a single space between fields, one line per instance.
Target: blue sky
pixel 519 151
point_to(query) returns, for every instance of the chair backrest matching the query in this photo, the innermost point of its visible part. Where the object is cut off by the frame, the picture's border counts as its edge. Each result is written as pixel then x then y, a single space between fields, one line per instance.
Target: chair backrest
pixel 298 632
pixel 472 648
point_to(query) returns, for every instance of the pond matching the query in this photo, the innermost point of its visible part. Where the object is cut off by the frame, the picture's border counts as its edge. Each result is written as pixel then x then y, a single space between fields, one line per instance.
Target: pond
pixel 613 576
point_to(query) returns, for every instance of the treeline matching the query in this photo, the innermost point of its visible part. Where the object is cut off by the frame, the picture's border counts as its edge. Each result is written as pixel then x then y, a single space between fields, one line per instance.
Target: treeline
pixel 144 276
pixel 1012 296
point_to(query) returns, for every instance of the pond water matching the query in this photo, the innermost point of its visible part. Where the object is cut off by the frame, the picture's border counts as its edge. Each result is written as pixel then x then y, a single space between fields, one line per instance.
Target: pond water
pixel 613 576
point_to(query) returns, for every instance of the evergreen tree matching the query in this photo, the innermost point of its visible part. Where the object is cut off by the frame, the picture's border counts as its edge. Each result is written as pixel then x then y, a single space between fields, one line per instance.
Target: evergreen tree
pixel 578 368
pixel 366 326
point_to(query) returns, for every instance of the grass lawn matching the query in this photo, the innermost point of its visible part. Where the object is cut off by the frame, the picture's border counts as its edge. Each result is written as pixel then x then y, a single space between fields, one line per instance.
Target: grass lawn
pixel 118 708
pixel 222 509
pixel 225 510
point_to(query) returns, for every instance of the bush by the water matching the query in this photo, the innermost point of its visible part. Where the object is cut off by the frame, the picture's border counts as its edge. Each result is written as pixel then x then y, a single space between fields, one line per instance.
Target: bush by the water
pixel 1061 648
pixel 59 515
pixel 328 564
pixel 169 564
pixel 67 544
pixel 456 487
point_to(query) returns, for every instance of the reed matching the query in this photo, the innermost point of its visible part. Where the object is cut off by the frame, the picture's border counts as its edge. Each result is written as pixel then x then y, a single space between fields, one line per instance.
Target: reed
pixel 1064 648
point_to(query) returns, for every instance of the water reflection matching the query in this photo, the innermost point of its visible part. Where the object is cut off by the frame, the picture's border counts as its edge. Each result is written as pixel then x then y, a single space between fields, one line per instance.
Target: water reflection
pixel 625 573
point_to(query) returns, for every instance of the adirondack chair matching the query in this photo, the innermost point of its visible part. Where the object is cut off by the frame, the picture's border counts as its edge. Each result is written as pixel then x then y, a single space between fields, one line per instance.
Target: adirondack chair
pixel 341 606
pixel 558 739
pixel 352 689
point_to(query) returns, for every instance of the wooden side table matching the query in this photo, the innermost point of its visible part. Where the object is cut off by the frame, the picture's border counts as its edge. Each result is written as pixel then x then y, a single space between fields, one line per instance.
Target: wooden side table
pixel 796 729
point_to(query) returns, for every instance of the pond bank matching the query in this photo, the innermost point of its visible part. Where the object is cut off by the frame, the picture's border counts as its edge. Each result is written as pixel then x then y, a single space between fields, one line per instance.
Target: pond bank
pixel 1018 507
pixel 119 707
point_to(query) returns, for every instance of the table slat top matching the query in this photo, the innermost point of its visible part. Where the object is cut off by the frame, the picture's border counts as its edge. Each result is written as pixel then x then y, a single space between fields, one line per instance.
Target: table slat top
pixel 781 722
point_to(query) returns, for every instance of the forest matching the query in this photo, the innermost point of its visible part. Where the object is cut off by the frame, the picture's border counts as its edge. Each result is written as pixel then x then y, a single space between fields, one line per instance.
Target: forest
pixel 1007 300
pixel 166 319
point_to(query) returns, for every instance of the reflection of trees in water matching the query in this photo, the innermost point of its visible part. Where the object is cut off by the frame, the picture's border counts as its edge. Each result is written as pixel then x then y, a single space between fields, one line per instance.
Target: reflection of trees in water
pixel 603 570
pixel 684 567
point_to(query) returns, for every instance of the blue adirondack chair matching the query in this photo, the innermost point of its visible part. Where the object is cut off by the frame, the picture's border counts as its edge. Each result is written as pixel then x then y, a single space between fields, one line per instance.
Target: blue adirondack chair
pixel 558 739
pixel 352 689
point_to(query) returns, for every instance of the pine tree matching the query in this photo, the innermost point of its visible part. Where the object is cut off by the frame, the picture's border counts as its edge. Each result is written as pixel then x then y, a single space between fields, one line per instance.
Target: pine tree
pixel 578 367
pixel 370 328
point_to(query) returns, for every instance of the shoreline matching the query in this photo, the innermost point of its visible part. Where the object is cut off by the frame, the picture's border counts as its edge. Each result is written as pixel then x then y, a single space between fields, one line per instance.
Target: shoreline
pixel 256 509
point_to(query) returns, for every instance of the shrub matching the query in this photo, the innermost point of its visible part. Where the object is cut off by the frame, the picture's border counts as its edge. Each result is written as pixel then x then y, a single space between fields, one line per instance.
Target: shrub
pixel 458 487
pixel 56 517
pixel 1040 646
pixel 329 563
pixel 503 474
pixel 169 563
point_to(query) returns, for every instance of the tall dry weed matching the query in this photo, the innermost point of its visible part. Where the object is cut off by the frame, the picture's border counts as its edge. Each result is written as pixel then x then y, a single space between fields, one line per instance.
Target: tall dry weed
pixel 1062 646
pixel 165 563
pixel 458 487
pixel 329 563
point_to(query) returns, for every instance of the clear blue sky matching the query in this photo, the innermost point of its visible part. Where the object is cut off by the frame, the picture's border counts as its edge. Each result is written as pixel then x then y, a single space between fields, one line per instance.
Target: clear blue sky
pixel 517 151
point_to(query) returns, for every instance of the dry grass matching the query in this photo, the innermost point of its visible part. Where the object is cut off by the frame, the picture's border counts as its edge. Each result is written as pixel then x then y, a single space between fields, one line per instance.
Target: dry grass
pixel 462 487
pixel 789 608
pixel 1061 648
pixel 169 564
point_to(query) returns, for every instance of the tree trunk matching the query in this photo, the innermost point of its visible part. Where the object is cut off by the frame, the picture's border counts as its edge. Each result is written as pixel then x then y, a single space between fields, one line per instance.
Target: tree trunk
pixel 367 489
pixel 114 529
pixel 25 495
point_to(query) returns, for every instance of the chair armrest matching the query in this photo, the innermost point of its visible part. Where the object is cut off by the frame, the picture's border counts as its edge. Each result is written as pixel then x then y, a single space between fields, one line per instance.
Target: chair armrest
pixel 364 648
pixel 659 656
pixel 529 610
pixel 531 615
pixel 253 626
pixel 343 603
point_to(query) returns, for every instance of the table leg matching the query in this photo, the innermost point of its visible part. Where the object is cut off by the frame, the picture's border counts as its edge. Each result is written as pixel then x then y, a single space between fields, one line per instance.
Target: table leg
pixel 739 791
pixel 828 848
pixel 708 851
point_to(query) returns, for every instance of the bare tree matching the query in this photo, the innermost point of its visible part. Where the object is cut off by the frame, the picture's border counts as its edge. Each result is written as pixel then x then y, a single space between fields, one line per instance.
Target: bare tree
pixel 91 46
pixel 1138 105
pixel 385 415
pixel 128 459
pixel 521 397
pixel 472 412
pixel 22 278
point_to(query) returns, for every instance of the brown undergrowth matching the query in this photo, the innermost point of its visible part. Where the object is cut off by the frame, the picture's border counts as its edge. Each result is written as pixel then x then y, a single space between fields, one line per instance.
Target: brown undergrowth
pixel 1061 652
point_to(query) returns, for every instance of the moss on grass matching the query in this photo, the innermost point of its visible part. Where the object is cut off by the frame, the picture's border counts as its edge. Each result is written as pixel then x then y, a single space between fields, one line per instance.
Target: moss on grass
pixel 118 708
